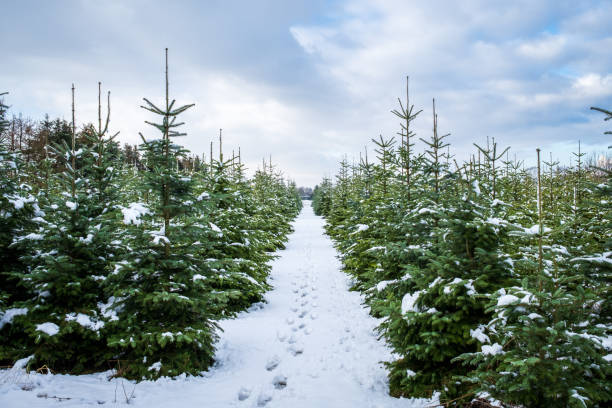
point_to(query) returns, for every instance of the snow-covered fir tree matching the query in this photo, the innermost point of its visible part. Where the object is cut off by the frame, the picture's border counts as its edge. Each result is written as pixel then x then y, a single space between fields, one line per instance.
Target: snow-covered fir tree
pixel 161 291
pixel 68 256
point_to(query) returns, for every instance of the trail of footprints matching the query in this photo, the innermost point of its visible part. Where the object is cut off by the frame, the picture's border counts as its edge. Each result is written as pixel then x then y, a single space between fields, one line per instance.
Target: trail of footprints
pixel 301 314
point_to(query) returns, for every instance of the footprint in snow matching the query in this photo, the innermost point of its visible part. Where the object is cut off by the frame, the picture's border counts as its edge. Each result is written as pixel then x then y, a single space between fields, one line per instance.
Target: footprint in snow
pixel 255 307
pixel 313 316
pixel 296 350
pixel 281 336
pixel 290 321
pixel 264 398
pixel 272 363
pixel 244 393
pixel 308 330
pixel 303 313
pixel 280 381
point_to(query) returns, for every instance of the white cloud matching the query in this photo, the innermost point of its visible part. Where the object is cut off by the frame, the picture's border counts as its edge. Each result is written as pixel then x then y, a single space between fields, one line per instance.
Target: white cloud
pixel 593 85
pixel 494 69
pixel 544 48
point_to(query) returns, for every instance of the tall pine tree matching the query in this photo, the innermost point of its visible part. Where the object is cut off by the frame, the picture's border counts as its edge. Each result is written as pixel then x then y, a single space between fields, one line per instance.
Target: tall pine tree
pixel 162 296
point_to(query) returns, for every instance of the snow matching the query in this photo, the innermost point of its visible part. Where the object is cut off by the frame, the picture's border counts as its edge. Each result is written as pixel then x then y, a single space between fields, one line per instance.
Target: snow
pixel 315 347
pixel 21 364
pixel 107 310
pixel 469 285
pixel 579 397
pixel 33 237
pixel 528 299
pixel 494 348
pixel 158 237
pixel 496 221
pixel 606 257
pixel 408 302
pixel 132 213
pixel 383 284
pixel 535 229
pixel 85 321
pixel 560 249
pixel 215 228
pixel 604 341
pixel 361 228
pixel 479 335
pixel 498 202
pixel 48 328
pixel 377 248
pixel 435 282
pixel 476 187
pixel 448 288
pixel 9 315
pixel 71 205
pixel 506 300
pixel 86 240
pixel 19 202
pixel 203 196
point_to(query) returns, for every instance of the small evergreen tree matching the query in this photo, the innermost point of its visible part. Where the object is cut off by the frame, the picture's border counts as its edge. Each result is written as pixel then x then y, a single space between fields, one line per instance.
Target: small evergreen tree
pixel 537 350
pixel 72 251
pixel 321 198
pixel 18 208
pixel 162 297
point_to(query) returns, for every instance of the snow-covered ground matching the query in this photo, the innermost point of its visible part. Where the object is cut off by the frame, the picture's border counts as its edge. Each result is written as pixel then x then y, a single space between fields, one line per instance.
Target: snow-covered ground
pixel 311 345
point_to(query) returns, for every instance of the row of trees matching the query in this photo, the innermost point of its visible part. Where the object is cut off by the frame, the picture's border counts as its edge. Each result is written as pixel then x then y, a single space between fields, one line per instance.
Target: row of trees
pixel 107 264
pixel 30 138
pixel 492 281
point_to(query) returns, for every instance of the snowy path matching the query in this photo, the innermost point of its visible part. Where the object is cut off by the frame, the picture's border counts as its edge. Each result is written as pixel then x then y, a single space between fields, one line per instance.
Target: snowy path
pixel 312 345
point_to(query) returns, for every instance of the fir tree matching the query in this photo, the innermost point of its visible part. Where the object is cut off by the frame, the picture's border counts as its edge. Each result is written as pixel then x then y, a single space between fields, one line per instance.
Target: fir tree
pixel 538 352
pixel 448 303
pixel 18 208
pixel 237 250
pixel 4 123
pixel 321 198
pixel 73 248
pixel 162 297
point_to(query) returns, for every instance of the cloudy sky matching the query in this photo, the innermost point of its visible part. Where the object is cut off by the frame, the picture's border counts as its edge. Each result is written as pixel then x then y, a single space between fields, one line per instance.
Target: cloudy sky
pixel 309 81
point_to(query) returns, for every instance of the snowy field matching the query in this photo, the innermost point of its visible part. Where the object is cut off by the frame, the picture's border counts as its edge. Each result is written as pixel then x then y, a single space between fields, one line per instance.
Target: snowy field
pixel 311 345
